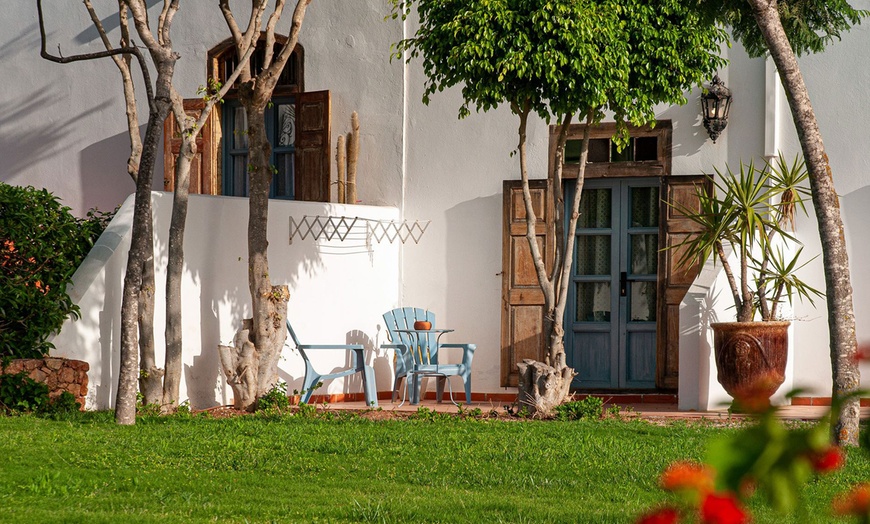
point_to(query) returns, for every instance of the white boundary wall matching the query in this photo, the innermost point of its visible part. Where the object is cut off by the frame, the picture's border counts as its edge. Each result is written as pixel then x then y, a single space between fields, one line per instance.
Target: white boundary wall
pixel 338 292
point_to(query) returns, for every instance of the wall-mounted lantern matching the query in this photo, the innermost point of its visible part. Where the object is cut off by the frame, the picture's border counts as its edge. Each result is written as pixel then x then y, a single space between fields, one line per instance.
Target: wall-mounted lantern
pixel 715 103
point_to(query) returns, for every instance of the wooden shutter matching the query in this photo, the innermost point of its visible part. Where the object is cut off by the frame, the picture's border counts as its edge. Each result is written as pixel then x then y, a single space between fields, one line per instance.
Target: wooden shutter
pixel 679 192
pixel 203 168
pixel 312 146
pixel 522 316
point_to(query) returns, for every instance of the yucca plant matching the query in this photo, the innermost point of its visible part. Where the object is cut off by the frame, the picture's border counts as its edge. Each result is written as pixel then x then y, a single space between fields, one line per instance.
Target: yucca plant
pixel 748 212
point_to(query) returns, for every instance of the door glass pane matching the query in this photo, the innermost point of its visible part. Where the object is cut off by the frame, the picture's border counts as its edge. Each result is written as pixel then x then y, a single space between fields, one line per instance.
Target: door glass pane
pixel 286 127
pixel 240 175
pixel 593 255
pixel 240 129
pixel 595 207
pixel 645 207
pixel 593 302
pixel 644 254
pixel 284 176
pixel 643 301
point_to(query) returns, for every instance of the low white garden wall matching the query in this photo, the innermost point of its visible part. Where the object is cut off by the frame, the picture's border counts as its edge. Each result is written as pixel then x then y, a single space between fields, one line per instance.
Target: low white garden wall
pixel 338 292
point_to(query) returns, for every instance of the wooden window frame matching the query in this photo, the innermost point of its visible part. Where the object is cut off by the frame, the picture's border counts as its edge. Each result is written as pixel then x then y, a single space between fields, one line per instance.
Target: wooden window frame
pixel 663 130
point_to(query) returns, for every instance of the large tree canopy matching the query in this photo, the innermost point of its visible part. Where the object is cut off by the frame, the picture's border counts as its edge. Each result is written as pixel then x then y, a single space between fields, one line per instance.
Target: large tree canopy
pixel 563 56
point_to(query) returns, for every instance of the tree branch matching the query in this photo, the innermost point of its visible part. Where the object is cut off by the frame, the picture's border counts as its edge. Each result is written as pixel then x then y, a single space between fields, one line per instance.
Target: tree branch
pixel 130 50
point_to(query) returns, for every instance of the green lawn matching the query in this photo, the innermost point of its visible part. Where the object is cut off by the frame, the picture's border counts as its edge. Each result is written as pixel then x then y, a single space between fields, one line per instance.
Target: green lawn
pixel 293 469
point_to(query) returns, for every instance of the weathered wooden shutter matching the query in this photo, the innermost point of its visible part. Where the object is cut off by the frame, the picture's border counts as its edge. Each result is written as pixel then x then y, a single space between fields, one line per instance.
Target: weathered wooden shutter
pixel 679 192
pixel 522 315
pixel 313 137
pixel 203 168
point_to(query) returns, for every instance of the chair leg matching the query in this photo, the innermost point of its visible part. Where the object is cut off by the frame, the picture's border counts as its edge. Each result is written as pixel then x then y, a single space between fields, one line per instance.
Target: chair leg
pixel 308 383
pixel 466 380
pixel 439 389
pixel 396 387
pixel 416 383
pixel 371 392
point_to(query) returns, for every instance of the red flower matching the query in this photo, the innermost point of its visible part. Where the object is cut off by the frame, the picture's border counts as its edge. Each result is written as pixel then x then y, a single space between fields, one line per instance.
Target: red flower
pixel 660 516
pixel 854 502
pixel 687 476
pixel 862 354
pixel 722 509
pixel 828 460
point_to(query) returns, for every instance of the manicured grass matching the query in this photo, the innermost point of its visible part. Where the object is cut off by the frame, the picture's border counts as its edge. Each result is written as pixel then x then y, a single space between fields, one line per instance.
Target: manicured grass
pixel 294 469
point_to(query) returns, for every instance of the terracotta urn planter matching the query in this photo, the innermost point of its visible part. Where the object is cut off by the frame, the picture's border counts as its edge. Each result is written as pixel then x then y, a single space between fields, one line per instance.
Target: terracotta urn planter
pixel 422 325
pixel 751 355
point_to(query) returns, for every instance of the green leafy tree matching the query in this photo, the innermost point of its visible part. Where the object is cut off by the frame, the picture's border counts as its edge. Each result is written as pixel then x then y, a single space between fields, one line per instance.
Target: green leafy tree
pixel 558 59
pixel 787 29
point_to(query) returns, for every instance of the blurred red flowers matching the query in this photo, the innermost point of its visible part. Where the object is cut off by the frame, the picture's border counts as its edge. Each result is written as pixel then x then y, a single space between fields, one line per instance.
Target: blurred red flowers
pixel 660 516
pixel 722 509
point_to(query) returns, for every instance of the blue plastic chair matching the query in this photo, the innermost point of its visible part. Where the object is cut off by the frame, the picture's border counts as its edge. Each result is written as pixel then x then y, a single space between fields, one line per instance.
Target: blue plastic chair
pixel 423 360
pixel 312 377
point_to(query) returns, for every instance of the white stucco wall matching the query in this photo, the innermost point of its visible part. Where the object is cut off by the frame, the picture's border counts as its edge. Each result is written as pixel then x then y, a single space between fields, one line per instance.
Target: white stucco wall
pixel 338 292
pixel 63 128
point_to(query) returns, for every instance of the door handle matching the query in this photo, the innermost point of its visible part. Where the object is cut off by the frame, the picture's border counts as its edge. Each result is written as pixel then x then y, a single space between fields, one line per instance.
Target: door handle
pixel 623 284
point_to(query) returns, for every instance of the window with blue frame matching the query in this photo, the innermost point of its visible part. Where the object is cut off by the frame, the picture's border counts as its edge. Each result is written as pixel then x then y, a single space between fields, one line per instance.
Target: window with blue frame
pixel 281 131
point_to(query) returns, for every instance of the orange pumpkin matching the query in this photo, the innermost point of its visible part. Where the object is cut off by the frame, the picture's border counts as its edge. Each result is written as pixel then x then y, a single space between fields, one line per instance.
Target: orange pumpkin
pixel 422 325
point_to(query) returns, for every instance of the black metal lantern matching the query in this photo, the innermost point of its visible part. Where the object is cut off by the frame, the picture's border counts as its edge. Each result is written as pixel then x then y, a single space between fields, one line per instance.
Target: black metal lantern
pixel 716 103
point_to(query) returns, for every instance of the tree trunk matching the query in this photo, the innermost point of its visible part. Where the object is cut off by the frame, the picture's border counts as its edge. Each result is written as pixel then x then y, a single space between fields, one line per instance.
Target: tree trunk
pixel 125 401
pixel 174 270
pixel 150 376
pixel 257 347
pixel 838 288
pixel 544 385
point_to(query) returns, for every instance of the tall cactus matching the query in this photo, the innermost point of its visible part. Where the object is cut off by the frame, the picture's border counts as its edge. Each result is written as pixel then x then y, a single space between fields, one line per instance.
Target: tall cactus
pixel 341 164
pixel 352 157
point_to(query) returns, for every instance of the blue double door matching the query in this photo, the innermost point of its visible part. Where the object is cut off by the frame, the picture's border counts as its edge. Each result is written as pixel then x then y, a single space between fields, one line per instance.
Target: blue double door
pixel 611 319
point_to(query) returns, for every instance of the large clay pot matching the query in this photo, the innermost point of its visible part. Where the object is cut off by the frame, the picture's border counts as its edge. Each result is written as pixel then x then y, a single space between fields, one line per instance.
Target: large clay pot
pixel 751 355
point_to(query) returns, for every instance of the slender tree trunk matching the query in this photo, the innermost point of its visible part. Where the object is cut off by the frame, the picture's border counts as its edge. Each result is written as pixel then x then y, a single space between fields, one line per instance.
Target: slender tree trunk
pixel 838 288
pixel 125 401
pixel 150 376
pixel 174 269
pixel 545 385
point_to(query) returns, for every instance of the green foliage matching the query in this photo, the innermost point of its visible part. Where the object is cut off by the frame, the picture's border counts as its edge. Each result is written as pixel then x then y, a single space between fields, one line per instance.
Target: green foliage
pixel 21 394
pixel 41 245
pixel 562 57
pixel 590 408
pixel 810 24
pixel 275 399
pixel 740 214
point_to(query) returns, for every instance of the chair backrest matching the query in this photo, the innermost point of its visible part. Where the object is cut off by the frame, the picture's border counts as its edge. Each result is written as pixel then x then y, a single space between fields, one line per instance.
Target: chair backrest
pixel 404 318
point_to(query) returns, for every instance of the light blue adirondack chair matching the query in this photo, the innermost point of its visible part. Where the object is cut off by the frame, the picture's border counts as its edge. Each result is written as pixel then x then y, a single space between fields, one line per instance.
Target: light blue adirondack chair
pixel 420 357
pixel 312 377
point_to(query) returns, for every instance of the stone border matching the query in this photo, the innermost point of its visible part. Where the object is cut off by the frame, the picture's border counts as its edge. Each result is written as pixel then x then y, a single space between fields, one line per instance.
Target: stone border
pixel 59 374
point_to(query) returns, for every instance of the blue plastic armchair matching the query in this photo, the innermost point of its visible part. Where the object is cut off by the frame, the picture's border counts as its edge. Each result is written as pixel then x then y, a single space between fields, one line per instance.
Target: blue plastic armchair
pixel 419 356
pixel 312 377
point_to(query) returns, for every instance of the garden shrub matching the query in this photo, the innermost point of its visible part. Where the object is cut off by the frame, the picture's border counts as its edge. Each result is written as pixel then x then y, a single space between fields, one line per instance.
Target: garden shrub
pixel 588 408
pixel 41 245
pixel 274 399
pixel 21 394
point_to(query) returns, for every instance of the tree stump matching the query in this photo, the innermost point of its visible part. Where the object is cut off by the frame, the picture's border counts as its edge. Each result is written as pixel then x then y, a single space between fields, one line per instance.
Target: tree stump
pixel 542 387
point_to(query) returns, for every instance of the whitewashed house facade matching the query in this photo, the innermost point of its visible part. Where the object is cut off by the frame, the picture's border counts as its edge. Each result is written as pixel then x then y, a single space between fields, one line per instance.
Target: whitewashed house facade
pixel 62 128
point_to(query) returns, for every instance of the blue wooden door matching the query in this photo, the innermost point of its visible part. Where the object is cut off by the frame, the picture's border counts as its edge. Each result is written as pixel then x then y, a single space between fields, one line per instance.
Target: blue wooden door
pixel 611 316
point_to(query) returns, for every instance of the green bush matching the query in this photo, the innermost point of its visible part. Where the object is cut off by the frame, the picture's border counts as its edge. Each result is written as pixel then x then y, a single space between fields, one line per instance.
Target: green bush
pixel 41 245
pixel 588 408
pixel 21 394
pixel 275 399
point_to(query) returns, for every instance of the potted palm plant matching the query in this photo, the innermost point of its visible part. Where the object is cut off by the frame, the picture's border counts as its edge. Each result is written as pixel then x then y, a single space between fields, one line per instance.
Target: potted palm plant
pixel 745 226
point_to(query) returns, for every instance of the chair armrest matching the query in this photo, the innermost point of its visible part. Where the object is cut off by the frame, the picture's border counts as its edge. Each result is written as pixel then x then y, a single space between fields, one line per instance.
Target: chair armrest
pixel 467 351
pixel 332 346
pixel 402 347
